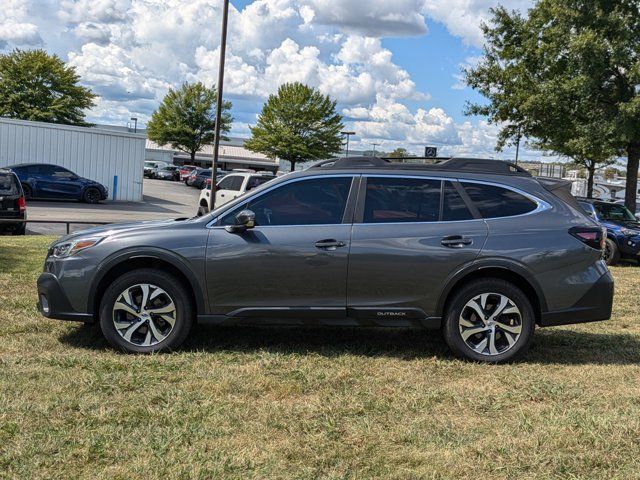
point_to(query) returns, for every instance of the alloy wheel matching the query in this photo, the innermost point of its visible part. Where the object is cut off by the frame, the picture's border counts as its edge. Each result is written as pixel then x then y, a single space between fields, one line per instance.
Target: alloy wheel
pixel 144 315
pixel 490 323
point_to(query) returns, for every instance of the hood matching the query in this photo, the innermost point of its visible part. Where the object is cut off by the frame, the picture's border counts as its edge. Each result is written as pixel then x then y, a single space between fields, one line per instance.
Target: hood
pixel 116 228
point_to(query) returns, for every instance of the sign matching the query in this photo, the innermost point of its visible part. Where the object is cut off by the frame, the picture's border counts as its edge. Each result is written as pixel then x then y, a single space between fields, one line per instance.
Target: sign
pixel 430 152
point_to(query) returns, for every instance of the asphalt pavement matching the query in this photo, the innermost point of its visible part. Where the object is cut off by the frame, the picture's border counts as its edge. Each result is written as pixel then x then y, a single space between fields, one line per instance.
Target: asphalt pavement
pixel 162 200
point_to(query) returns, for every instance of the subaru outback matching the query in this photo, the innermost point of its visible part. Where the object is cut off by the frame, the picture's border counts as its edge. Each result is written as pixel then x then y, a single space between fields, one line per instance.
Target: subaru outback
pixel 478 249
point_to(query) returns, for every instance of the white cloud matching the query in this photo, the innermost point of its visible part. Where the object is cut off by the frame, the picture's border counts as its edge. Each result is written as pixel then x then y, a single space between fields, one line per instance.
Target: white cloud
pixel 15 27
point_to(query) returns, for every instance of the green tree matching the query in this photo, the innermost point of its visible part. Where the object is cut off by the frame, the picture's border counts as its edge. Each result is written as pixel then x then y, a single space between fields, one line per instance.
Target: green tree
pixel 565 76
pixel 41 87
pixel 297 124
pixel 186 118
pixel 399 153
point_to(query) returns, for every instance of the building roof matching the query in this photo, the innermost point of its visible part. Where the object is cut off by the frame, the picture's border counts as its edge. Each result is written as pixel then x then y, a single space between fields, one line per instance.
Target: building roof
pixel 228 152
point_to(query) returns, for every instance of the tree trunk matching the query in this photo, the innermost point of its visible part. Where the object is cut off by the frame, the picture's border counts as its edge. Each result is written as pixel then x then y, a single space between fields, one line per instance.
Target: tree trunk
pixel 193 157
pixel 293 164
pixel 591 169
pixel 633 162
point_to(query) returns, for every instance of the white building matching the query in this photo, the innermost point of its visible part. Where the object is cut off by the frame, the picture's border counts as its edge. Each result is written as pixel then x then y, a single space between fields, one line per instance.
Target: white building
pixel 114 158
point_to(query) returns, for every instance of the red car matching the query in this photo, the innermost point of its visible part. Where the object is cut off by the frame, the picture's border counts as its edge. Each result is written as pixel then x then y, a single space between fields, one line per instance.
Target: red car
pixel 185 171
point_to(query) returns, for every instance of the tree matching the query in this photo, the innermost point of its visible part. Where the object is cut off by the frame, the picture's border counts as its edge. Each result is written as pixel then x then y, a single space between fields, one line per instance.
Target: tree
pixel 186 118
pixel 297 124
pixel 399 153
pixel 565 76
pixel 41 87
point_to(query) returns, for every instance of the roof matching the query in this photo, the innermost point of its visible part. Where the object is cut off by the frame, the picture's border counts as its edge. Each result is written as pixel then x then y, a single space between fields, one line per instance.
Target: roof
pixel 224 151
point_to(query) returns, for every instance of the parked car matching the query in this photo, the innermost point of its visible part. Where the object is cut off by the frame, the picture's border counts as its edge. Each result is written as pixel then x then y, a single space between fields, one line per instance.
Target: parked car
pixel 185 171
pixel 623 229
pixel 44 181
pixel 476 248
pixel 230 187
pixel 12 203
pixel 637 213
pixel 192 176
pixel 170 172
pixel 151 168
pixel 200 178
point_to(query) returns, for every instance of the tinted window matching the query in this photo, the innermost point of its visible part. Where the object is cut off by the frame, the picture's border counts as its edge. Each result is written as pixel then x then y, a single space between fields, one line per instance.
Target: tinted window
pixel 231 183
pixel 256 182
pixel 8 184
pixel 494 201
pixel 611 211
pixel 588 209
pixel 62 172
pixel 319 201
pixel 453 207
pixel 402 200
pixel 205 173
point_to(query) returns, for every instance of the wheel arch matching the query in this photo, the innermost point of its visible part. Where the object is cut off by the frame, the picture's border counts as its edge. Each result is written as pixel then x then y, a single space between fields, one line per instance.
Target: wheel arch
pixel 129 261
pixel 512 273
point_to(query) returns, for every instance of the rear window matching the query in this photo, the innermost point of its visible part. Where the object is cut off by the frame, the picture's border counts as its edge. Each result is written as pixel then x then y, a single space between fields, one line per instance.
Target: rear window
pixel 255 182
pixel 402 200
pixel 493 201
pixel 8 185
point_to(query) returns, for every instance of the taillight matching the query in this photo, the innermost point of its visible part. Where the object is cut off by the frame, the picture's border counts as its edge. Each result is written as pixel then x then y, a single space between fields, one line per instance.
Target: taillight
pixel 22 204
pixel 591 236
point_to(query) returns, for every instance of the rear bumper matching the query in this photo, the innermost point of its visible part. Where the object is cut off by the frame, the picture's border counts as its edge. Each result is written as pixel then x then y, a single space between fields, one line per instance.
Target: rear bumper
pixel 595 305
pixel 12 221
pixel 53 303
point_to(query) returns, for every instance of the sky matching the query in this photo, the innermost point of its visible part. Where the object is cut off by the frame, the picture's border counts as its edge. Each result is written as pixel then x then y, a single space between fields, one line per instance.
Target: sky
pixel 393 66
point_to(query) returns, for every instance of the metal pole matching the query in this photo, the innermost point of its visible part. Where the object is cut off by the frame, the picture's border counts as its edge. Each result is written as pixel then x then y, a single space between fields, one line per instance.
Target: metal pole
pixel 518 144
pixel 216 139
pixel 374 148
pixel 347 154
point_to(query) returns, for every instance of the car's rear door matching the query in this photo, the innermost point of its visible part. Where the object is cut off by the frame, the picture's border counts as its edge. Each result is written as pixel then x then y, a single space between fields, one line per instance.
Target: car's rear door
pixel 229 188
pixel 294 262
pixel 410 235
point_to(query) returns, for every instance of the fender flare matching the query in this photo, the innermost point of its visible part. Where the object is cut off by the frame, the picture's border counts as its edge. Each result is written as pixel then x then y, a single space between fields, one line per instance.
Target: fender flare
pixel 153 253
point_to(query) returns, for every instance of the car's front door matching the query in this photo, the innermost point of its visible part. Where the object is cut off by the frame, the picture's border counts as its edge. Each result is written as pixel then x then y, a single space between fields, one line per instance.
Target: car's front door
pixel 294 261
pixel 410 236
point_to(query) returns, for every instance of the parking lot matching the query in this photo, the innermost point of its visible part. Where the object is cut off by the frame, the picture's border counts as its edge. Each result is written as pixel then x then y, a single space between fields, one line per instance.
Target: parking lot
pixel 162 199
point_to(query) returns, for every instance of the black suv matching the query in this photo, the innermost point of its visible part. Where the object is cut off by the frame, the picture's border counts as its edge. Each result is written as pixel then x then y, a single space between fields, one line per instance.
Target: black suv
pixel 477 248
pixel 13 207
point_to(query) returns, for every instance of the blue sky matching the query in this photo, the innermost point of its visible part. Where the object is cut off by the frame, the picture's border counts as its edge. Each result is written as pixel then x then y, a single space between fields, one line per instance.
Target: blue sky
pixel 392 66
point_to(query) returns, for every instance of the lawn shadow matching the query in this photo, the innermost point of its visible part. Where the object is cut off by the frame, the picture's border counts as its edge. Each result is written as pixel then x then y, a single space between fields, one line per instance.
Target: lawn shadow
pixel 550 346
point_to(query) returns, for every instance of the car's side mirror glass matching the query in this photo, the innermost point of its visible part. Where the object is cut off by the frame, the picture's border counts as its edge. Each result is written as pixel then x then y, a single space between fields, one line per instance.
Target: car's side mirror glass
pixel 245 220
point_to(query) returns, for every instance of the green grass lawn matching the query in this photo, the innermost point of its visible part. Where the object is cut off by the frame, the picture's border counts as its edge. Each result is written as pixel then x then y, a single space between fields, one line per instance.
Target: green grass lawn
pixel 311 403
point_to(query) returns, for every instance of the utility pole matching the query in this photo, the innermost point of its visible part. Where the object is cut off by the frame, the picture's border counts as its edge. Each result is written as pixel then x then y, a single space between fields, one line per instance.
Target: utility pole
pixel 374 148
pixel 216 139
pixel 347 134
pixel 518 144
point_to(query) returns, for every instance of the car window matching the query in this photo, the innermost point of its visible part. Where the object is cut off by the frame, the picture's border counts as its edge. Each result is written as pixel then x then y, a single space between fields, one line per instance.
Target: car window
pixel 493 201
pixel 397 199
pixel 232 182
pixel 318 201
pixel 256 182
pixel 60 172
pixel 613 212
pixel 8 184
pixel 454 207
pixel 588 209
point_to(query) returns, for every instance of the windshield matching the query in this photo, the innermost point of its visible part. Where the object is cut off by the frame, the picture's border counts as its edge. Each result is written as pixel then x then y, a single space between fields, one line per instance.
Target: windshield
pixel 8 185
pixel 613 212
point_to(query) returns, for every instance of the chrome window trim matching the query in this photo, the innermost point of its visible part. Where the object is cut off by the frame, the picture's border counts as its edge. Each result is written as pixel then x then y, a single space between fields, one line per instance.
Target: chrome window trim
pixel 242 199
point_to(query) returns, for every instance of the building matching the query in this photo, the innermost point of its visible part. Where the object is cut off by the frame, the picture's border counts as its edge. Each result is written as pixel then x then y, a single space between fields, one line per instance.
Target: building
pixel 115 158
pixel 232 155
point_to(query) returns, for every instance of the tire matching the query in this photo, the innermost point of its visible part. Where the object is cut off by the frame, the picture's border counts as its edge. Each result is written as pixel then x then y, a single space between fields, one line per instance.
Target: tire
pixel 512 331
pixel 153 333
pixel 202 210
pixel 91 195
pixel 611 254
pixel 21 230
pixel 28 193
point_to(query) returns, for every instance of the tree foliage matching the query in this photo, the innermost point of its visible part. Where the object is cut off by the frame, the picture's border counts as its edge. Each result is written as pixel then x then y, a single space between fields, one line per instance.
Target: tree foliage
pixel 41 87
pixel 186 118
pixel 297 124
pixel 565 76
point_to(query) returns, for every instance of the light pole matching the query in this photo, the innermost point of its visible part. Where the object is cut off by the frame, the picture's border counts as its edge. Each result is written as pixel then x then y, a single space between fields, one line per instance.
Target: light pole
pixel 347 134
pixel 135 124
pixel 374 148
pixel 216 138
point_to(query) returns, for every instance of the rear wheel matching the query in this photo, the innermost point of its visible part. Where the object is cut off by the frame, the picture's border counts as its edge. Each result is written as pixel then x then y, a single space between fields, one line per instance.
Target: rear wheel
pixel 202 210
pixel 91 195
pixel 21 230
pixel 146 311
pixel 28 193
pixel 489 320
pixel 611 253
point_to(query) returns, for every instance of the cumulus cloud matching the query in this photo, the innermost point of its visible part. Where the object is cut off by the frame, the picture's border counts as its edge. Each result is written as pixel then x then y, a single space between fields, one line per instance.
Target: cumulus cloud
pixel 15 27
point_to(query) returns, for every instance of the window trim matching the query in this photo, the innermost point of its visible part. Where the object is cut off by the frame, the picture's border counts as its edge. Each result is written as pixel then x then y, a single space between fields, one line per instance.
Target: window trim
pixel 347 216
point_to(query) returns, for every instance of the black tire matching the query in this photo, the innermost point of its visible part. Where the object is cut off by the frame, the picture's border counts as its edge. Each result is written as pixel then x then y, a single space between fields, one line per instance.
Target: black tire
pixel 21 230
pixel 91 195
pixel 504 349
pixel 174 291
pixel 202 210
pixel 28 193
pixel 611 254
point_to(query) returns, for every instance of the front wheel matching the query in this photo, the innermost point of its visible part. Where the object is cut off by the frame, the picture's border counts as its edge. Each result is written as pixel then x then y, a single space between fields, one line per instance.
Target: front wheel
pixel 91 195
pixel 489 320
pixel 145 311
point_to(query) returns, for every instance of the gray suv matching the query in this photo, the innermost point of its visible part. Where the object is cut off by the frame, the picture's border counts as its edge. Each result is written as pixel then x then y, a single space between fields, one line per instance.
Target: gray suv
pixel 476 248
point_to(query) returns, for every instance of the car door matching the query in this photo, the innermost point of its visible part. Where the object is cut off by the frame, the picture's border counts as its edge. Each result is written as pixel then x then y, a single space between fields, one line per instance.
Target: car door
pixel 294 261
pixel 410 235
pixel 229 188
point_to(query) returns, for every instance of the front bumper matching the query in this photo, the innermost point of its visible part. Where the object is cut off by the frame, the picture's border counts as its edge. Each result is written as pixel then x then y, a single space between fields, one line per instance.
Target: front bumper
pixel 630 246
pixel 53 303
pixel 595 305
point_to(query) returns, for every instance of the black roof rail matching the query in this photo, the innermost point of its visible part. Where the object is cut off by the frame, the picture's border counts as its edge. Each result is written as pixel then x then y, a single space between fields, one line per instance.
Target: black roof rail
pixel 473 165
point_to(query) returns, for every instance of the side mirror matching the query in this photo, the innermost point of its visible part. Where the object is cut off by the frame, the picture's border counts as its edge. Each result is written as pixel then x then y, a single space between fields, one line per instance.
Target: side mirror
pixel 245 220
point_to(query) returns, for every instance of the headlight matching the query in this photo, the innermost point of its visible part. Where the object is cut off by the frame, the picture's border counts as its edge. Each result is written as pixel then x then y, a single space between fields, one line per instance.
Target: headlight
pixel 629 232
pixel 66 249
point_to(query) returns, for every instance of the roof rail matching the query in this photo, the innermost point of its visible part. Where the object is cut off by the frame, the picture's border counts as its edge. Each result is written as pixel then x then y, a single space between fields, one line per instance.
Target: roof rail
pixel 473 165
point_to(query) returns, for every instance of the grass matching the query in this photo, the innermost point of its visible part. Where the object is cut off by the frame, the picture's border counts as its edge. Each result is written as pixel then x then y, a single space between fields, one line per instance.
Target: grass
pixel 311 403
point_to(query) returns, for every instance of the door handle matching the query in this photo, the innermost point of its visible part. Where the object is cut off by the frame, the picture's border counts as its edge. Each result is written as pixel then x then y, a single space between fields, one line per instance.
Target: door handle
pixel 329 244
pixel 456 241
